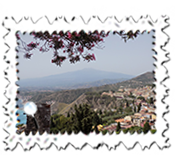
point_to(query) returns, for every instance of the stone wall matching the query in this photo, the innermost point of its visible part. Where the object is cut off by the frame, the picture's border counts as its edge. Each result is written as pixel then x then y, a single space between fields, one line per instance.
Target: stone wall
pixel 41 120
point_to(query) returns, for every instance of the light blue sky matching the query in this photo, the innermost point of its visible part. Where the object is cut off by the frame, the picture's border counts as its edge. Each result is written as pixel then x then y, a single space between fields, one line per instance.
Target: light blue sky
pixel 133 57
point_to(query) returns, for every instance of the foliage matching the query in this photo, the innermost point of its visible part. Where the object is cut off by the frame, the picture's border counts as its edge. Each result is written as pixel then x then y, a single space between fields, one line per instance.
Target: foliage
pixel 104 132
pixel 127 104
pixel 113 91
pixel 118 127
pixel 100 112
pixel 153 131
pixel 71 44
pixel 118 132
pixel 131 96
pixel 135 109
pixel 150 100
pixel 82 120
pixel 139 107
pixel 128 35
pixel 141 98
pixel 19 125
pixel 152 85
pixel 146 127
pixel 120 109
pixel 125 130
pixel 113 117
pixel 133 129
pixel 96 98
pixel 128 109
pixel 68 115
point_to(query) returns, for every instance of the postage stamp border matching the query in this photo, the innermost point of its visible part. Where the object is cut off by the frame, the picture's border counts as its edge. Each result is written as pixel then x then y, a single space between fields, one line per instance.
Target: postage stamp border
pixel 27 24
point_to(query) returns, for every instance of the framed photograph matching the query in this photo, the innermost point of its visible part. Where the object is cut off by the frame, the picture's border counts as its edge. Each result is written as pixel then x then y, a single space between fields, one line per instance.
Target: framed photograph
pixel 96 83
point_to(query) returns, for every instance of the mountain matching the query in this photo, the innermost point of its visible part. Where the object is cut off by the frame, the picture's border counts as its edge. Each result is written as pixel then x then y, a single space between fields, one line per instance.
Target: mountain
pixel 69 96
pixel 97 83
pixel 76 79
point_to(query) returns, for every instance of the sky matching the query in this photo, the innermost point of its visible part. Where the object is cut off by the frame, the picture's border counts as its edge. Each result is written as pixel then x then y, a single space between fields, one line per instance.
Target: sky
pixel 133 57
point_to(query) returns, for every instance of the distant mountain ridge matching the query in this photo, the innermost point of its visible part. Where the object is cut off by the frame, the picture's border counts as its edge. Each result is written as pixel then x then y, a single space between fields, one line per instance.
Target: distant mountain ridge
pixel 76 79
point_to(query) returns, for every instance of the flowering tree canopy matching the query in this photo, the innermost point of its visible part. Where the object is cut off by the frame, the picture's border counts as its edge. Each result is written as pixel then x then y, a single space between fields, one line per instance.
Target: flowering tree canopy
pixel 73 46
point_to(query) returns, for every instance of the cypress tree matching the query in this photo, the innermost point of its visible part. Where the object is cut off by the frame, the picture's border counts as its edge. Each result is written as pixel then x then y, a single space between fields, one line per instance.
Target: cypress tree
pixel 146 127
pixel 118 127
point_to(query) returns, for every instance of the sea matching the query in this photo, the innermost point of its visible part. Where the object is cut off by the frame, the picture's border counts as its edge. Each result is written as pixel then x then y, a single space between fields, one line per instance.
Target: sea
pixel 22 116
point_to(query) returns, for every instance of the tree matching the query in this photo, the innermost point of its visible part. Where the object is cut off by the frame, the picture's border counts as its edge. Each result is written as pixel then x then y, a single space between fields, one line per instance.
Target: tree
pixel 84 119
pixel 135 109
pixel 60 123
pixel 153 131
pixel 146 127
pixel 68 115
pixel 139 107
pixel 100 112
pixel 128 109
pixel 96 121
pixel 141 98
pixel 127 104
pixel 72 44
pixel 118 127
pixel 120 109
pixel 104 132
pixel 125 130
pixel 106 112
pixel 151 100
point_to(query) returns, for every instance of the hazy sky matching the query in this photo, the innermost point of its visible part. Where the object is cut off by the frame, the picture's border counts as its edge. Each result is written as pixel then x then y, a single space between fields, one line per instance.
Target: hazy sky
pixel 133 57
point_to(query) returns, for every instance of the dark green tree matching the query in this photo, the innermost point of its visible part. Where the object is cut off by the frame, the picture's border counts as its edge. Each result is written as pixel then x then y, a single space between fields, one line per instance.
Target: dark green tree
pixel 127 104
pixel 141 98
pixel 100 112
pixel 68 115
pixel 120 109
pixel 151 100
pixel 125 130
pixel 146 127
pixel 139 107
pixel 60 123
pixel 153 131
pixel 135 109
pixel 96 121
pixel 84 119
pixel 104 132
pixel 118 127
pixel 128 109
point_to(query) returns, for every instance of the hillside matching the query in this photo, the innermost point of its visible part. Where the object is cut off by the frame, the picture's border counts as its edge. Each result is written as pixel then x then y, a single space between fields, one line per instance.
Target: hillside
pixel 95 100
pixel 69 96
pixel 57 107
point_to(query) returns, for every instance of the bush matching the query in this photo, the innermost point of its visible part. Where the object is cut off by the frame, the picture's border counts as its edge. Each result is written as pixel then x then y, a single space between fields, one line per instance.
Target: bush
pixel 125 130
pixel 141 98
pixel 146 127
pixel 128 109
pixel 104 132
pixel 153 131
pixel 131 96
pixel 118 132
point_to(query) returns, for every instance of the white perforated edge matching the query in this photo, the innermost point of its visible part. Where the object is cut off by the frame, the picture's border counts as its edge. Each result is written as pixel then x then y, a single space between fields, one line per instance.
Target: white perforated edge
pixel 61 141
